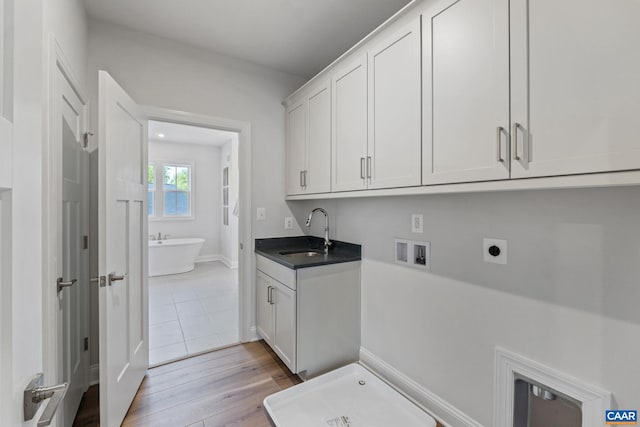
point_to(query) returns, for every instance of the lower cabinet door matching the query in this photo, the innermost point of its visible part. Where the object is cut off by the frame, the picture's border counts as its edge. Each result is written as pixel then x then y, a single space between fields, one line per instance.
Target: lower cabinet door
pixel 264 308
pixel 285 324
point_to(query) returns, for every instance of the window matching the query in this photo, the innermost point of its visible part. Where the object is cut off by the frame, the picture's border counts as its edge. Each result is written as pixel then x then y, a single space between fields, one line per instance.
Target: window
pixel 176 186
pixel 169 191
pixel 151 179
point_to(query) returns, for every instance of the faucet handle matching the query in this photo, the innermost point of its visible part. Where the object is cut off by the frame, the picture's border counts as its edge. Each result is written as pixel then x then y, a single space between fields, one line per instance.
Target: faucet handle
pixel 152 237
pixel 166 236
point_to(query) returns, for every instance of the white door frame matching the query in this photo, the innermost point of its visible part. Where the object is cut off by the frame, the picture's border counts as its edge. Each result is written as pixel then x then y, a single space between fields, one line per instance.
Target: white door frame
pixel 245 246
pixel 52 149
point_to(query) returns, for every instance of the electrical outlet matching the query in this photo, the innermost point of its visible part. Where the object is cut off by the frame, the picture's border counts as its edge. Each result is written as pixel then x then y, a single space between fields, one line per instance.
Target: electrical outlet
pixel 416 223
pixel 288 223
pixel 261 214
pixel 495 250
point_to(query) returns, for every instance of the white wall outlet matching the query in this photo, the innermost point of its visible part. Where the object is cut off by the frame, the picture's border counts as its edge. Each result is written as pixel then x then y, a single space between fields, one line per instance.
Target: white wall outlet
pixel 495 250
pixel 261 214
pixel 416 223
pixel 288 223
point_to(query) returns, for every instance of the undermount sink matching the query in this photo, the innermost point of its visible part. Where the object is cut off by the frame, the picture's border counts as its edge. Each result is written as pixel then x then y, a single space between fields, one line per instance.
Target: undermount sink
pixel 303 253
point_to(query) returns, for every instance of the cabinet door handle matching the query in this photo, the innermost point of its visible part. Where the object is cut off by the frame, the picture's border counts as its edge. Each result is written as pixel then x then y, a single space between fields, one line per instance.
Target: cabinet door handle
pixel 305 178
pixel 514 136
pixel 301 179
pixel 369 167
pixel 361 167
pixel 499 142
pixel 270 295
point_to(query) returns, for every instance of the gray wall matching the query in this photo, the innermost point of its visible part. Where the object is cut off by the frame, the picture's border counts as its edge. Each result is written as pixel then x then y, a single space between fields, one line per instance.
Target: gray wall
pixel 567 298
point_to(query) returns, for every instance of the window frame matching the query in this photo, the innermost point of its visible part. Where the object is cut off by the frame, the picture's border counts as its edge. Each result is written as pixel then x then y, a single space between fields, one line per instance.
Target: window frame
pixel 159 201
pixel 152 190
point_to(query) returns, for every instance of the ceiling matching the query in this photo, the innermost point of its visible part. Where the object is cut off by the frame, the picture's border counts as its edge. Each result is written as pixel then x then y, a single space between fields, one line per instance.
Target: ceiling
pixel 300 37
pixel 178 133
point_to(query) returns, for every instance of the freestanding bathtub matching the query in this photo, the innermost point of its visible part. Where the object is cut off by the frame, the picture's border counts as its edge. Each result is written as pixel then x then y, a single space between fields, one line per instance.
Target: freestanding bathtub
pixel 173 256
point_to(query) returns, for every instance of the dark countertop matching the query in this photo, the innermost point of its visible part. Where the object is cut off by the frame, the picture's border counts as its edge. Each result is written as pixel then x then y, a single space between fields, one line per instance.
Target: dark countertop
pixel 338 252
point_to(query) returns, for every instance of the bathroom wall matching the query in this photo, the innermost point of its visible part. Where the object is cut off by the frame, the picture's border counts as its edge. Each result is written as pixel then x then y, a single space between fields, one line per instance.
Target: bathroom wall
pixel 229 233
pixel 206 203
pixel 568 296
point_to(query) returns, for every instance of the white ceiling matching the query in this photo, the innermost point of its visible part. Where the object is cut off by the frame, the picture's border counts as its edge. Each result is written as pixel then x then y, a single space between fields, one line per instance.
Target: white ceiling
pixel 296 36
pixel 177 133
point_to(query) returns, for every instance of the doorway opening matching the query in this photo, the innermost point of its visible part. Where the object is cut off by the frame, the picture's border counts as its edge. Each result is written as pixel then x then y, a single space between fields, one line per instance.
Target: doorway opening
pixel 193 196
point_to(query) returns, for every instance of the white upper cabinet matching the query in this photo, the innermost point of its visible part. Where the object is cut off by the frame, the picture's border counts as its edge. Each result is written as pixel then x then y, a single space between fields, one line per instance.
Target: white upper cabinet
pixel 309 142
pixel 466 92
pixel 575 85
pixel 394 143
pixel 349 118
pixel 317 178
pixel 296 147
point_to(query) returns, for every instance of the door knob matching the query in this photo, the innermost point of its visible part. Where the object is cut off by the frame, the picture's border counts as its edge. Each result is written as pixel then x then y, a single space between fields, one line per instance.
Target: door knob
pixel 35 394
pixel 61 284
pixel 113 277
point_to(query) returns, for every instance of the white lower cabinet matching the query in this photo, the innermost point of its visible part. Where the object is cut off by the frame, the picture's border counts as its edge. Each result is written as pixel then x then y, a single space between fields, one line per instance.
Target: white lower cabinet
pixel 310 317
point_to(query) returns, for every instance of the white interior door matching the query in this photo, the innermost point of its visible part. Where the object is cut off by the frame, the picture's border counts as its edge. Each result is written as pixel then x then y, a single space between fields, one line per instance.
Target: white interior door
pixel 72 263
pixel 122 222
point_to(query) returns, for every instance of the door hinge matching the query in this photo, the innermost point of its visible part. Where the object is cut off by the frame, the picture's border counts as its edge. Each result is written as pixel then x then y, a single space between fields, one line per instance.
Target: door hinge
pixel 85 140
pixel 86 343
pixel 85 242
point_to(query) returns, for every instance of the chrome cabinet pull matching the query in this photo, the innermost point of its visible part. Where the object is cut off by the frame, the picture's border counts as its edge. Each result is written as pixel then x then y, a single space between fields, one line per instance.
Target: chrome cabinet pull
pixel 113 277
pixel 516 126
pixel 270 295
pixel 61 284
pixel 301 179
pixel 361 167
pixel 35 394
pixel 499 140
pixel 369 167
pixel 305 178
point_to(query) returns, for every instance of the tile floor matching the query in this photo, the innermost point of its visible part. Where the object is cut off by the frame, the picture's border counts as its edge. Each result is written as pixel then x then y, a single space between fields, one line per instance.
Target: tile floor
pixel 192 312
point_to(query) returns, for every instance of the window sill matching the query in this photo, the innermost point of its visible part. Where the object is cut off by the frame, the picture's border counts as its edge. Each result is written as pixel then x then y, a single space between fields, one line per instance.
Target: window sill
pixel 171 218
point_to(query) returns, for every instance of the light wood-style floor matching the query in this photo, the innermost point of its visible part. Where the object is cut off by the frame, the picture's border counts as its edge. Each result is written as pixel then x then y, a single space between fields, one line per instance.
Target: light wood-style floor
pixel 222 388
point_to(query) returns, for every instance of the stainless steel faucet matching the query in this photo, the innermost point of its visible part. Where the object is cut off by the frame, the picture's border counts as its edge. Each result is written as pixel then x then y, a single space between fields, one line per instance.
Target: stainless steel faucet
pixel 159 235
pixel 327 242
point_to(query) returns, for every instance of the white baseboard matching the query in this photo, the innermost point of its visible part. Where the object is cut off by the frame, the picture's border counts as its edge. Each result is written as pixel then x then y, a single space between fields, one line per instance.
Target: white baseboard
pixel 217 257
pixel 226 261
pixel 443 411
pixel 253 334
pixel 208 258
pixel 94 374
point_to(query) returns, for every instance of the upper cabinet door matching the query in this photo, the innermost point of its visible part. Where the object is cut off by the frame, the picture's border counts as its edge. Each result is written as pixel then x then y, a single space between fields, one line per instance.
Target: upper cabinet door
pixel 349 117
pixel 466 92
pixel 575 86
pixel 394 110
pixel 296 147
pixel 317 176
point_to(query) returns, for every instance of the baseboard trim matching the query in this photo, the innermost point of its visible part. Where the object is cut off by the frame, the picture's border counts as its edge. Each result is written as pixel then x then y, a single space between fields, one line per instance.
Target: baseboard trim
pixel 208 258
pixel 253 334
pixel 94 374
pixel 226 261
pixel 443 411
